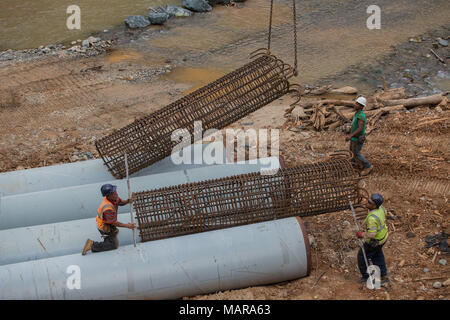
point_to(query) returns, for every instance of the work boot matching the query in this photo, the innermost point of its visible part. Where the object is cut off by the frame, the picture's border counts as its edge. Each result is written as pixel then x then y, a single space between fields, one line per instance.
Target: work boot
pixel 366 171
pixel 362 280
pixel 87 246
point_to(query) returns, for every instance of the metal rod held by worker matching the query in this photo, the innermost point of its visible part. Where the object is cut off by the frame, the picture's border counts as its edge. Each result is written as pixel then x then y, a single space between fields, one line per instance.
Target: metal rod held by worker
pixel 361 245
pixel 131 207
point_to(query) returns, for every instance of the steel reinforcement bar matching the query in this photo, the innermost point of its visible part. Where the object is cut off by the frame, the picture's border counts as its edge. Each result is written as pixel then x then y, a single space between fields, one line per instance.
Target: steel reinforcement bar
pixel 243 199
pixel 217 105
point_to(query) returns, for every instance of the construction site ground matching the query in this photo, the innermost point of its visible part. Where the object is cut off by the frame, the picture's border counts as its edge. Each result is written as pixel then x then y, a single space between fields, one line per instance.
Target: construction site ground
pixel 53 109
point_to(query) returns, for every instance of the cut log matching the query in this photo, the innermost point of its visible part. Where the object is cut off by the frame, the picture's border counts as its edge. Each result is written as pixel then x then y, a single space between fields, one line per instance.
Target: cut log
pixel 391 94
pixel 334 125
pixel 345 90
pixel 347 103
pixel 349 115
pixel 319 117
pixel 385 110
pixel 414 102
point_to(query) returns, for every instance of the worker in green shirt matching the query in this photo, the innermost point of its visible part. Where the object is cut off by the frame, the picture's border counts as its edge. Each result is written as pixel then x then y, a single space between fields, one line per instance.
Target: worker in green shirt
pixel 375 238
pixel 357 135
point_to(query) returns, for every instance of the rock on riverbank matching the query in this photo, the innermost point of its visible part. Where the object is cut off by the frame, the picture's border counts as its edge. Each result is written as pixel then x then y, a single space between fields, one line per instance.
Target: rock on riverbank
pixel 134 22
pixel 175 11
pixel 158 17
pixel 197 5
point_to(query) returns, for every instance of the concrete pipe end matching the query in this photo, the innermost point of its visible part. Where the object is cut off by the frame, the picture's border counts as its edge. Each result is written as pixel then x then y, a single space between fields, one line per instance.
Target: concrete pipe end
pixel 307 245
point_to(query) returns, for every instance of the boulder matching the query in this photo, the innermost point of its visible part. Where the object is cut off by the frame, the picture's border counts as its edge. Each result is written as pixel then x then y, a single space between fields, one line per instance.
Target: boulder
pixel 134 22
pixel 214 2
pixel 175 11
pixel 196 5
pixel 157 17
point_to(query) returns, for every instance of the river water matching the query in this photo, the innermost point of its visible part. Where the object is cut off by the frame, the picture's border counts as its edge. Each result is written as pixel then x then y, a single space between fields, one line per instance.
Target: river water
pixel 332 35
pixel 32 23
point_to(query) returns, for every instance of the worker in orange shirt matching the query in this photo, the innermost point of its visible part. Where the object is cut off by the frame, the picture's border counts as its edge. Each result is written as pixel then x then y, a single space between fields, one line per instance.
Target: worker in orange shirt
pixel 107 221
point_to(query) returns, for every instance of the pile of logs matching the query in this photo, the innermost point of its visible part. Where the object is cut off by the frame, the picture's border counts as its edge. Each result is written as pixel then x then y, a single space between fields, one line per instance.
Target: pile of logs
pixel 329 114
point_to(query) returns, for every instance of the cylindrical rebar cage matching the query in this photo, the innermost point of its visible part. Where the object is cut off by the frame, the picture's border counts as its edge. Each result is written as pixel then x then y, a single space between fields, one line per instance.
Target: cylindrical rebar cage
pixel 216 105
pixel 243 199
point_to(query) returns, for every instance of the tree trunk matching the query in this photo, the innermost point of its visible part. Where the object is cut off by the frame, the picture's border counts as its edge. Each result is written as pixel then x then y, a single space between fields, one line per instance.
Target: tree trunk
pixel 346 103
pixel 414 102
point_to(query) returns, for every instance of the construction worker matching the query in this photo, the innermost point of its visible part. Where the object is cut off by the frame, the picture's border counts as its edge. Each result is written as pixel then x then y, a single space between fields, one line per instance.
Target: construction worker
pixel 107 221
pixel 357 135
pixel 374 238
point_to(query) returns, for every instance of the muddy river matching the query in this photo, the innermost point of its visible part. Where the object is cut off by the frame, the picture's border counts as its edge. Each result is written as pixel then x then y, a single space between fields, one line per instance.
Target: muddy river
pixel 32 23
pixel 332 35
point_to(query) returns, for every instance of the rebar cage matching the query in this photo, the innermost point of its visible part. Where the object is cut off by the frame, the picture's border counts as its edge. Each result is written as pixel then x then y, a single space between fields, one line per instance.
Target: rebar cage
pixel 248 198
pixel 218 104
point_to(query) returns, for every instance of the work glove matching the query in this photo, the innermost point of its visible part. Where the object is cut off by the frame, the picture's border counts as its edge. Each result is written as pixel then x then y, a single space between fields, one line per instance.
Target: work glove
pixel 359 234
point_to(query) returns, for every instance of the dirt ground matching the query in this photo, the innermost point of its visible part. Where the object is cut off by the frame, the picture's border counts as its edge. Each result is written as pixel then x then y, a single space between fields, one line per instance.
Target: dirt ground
pixel 53 109
pixel 410 171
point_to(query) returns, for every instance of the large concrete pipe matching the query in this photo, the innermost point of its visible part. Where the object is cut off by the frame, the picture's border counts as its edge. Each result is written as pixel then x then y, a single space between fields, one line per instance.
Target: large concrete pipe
pixel 249 255
pixel 54 239
pixel 80 202
pixel 92 171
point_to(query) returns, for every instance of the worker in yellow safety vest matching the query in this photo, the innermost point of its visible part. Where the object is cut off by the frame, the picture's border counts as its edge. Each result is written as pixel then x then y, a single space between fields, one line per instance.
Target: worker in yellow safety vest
pixel 375 237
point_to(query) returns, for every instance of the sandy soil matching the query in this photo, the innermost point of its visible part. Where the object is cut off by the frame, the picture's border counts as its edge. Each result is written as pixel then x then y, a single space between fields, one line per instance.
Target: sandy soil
pixel 408 165
pixel 48 126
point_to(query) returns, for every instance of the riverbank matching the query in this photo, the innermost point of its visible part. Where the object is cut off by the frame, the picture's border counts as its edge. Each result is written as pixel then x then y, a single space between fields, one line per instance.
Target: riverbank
pixel 123 34
pixel 419 64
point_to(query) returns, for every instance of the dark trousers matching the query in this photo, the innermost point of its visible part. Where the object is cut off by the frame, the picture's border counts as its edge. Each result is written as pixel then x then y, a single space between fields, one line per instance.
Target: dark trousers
pixel 110 241
pixel 356 147
pixel 375 255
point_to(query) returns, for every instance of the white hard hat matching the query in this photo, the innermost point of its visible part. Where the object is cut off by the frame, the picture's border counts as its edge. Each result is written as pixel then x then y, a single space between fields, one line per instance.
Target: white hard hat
pixel 361 100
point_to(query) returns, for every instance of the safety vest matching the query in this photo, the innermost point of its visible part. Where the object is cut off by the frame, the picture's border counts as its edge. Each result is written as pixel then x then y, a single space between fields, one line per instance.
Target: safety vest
pixel 104 206
pixel 376 222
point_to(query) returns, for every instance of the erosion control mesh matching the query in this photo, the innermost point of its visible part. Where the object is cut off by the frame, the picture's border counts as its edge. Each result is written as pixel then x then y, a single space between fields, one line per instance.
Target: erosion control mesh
pixel 248 198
